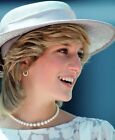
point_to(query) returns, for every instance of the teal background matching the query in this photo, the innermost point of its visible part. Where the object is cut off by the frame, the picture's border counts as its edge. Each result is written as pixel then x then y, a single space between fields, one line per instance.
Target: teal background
pixel 94 92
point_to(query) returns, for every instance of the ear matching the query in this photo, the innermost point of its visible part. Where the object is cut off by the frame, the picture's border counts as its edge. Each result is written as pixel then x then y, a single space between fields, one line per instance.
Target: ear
pixel 24 65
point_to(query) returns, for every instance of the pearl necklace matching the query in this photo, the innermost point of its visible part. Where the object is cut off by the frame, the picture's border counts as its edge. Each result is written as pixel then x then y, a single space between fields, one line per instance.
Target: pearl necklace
pixel 38 123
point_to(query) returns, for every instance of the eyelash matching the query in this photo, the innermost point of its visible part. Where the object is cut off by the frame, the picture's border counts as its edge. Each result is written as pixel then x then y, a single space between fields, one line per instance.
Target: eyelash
pixel 81 54
pixel 65 51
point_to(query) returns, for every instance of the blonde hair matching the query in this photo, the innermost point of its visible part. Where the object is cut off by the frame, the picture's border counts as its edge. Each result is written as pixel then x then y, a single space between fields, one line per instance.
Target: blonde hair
pixel 32 45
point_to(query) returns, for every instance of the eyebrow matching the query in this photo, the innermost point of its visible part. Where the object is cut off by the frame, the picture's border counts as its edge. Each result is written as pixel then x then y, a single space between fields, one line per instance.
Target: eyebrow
pixel 68 44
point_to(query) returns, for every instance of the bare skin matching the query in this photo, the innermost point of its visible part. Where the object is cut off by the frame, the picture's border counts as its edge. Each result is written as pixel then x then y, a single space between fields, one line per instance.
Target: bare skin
pixel 63 117
pixel 60 60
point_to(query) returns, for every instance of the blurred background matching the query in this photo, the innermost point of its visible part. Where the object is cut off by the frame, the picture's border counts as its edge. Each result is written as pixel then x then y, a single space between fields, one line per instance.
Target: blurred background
pixel 94 92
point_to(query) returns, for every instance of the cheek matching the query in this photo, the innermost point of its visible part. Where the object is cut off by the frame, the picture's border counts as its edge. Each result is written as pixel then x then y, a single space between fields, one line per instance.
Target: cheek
pixel 49 65
pixel 57 61
pixel 45 70
pixel 53 63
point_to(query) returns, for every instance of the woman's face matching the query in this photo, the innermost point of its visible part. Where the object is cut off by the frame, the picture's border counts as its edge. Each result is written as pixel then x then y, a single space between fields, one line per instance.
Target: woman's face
pixel 53 75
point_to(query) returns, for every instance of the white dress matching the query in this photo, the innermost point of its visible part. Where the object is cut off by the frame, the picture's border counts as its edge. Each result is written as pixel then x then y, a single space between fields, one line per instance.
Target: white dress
pixel 80 128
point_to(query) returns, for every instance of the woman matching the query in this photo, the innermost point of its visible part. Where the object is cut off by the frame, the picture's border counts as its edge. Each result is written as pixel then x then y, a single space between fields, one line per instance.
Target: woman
pixel 43 52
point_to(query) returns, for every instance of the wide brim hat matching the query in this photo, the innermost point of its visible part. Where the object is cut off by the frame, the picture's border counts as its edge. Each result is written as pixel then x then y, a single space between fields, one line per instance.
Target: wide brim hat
pixel 32 16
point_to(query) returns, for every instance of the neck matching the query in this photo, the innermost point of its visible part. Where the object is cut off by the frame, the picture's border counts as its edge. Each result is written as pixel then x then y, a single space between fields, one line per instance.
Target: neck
pixel 35 112
pixel 36 124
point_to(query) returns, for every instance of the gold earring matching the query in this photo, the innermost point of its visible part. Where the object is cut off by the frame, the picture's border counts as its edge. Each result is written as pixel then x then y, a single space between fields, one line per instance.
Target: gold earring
pixel 25 73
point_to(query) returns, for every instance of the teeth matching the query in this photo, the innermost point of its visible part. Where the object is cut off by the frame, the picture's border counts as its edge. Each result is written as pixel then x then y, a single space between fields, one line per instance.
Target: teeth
pixel 69 79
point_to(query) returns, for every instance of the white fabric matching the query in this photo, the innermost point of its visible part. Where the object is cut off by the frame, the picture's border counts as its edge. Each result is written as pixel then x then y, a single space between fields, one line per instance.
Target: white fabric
pixel 80 128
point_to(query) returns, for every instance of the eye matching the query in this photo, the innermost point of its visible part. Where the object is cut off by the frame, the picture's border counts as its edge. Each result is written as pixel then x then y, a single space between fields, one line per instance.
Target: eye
pixel 81 54
pixel 63 50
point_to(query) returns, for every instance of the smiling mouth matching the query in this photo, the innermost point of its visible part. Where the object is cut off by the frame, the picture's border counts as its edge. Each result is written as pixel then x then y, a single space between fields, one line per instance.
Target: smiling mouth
pixel 68 81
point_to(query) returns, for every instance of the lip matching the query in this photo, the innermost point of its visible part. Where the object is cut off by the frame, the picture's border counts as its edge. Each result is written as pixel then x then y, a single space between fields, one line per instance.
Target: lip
pixel 71 76
pixel 67 85
pixel 74 77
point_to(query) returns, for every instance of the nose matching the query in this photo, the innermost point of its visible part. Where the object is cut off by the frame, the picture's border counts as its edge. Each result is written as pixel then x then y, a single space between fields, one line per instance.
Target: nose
pixel 75 66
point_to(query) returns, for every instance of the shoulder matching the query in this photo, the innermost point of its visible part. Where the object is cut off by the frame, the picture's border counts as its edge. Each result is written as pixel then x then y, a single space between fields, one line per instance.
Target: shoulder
pixel 90 128
pixel 2 120
pixel 95 128
pixel 95 122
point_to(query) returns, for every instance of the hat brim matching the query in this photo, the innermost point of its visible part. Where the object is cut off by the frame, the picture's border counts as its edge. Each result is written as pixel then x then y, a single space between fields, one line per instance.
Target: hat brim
pixel 101 34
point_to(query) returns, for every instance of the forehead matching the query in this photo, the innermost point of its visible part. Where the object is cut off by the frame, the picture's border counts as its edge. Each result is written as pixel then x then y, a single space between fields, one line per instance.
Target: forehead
pixel 69 44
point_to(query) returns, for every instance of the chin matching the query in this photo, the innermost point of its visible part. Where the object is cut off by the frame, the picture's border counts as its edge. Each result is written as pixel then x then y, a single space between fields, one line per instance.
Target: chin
pixel 63 96
pixel 66 98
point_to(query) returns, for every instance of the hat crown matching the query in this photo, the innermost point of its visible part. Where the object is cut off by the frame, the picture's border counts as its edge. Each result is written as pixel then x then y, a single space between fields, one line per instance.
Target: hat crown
pixel 35 9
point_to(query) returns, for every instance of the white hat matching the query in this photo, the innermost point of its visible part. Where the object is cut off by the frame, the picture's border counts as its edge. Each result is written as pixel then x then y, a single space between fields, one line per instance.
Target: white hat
pixel 28 17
